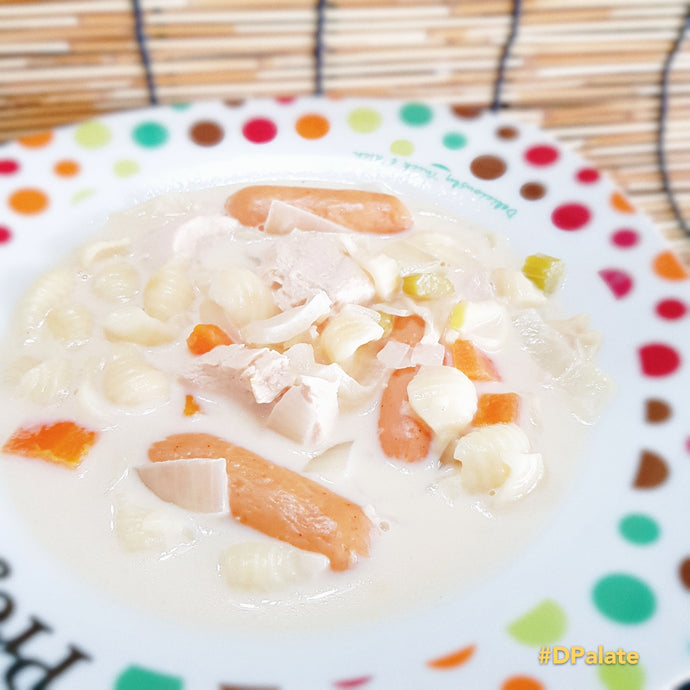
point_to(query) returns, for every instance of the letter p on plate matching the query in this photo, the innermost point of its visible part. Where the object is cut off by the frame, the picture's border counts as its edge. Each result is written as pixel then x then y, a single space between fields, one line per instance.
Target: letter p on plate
pixel 576 653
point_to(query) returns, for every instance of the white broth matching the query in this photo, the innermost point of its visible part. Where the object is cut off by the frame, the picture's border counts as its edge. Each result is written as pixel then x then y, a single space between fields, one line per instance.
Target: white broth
pixel 102 344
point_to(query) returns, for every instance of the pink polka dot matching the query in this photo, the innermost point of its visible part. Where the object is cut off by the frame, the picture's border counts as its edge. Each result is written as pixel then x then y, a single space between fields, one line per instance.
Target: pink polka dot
pixel 260 130
pixel 625 237
pixel 285 100
pixel 5 234
pixel 619 282
pixel 8 166
pixel 571 216
pixel 671 309
pixel 541 155
pixel 587 175
pixel 658 359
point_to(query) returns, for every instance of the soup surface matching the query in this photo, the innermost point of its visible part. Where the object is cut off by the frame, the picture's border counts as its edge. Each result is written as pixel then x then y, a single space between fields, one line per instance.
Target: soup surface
pixel 416 375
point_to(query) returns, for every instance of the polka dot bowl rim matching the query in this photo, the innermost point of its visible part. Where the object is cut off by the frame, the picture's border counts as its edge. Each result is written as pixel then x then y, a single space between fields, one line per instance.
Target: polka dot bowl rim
pixel 612 569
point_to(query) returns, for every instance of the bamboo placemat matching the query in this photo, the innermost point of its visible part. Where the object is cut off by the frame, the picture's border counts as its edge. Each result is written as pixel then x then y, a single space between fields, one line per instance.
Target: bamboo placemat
pixel 589 71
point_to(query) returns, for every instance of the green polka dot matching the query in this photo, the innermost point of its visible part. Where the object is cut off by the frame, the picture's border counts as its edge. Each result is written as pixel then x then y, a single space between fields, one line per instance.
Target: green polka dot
pixel 82 194
pixel 402 147
pixel 150 134
pixel 92 135
pixel 624 598
pixel 544 624
pixel 416 114
pixel 125 168
pixel 454 140
pixel 621 677
pixel 364 120
pixel 639 529
pixel 180 106
pixel 135 678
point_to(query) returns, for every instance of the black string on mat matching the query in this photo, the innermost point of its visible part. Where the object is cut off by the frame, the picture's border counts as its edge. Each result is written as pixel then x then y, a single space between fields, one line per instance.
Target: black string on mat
pixel 515 17
pixel 144 52
pixel 319 47
pixel 663 122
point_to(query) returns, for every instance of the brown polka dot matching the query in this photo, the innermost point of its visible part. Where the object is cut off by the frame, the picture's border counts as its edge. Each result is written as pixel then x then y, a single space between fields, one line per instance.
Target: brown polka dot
pixel 657 411
pixel 507 132
pixel 234 102
pixel 206 133
pixel 532 191
pixel 652 471
pixel 684 572
pixel 488 167
pixel 468 112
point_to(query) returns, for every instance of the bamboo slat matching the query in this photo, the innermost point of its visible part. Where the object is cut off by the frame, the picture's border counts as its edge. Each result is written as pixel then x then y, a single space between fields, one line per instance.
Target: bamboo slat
pixel 589 71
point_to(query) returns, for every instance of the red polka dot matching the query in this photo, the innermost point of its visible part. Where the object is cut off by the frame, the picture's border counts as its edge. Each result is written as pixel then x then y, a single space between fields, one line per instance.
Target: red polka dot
pixel 658 359
pixel 587 175
pixel 671 309
pixel 619 282
pixel 625 237
pixel 8 166
pixel 285 100
pixel 571 216
pixel 541 155
pixel 5 234
pixel 260 130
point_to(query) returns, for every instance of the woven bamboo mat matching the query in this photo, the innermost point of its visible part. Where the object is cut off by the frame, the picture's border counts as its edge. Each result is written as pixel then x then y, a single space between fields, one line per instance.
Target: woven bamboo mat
pixel 591 72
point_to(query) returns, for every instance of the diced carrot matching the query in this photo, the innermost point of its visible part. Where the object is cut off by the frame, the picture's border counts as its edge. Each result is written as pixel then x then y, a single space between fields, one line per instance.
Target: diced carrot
pixel 371 212
pixel 402 434
pixel 497 408
pixel 473 362
pixel 407 329
pixel 205 337
pixel 63 443
pixel 277 501
pixel 191 406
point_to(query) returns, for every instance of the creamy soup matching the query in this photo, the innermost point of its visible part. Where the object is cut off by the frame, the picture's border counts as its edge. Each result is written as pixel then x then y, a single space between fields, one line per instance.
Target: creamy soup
pixel 412 368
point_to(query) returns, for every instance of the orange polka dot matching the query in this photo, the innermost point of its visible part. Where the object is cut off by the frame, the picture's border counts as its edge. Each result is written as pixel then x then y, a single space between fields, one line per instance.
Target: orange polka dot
pixel 37 140
pixel 312 126
pixel 667 265
pixel 453 659
pixel 66 168
pixel 28 201
pixel 522 683
pixel 620 203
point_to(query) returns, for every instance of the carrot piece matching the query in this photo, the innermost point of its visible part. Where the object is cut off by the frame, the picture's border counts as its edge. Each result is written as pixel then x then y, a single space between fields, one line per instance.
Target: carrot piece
pixel 497 408
pixel 408 329
pixel 277 501
pixel 473 362
pixel 205 337
pixel 191 406
pixel 402 434
pixel 63 443
pixel 371 212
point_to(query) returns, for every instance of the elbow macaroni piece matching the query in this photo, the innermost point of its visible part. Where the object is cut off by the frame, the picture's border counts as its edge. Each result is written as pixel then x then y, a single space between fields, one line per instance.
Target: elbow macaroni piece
pixel 242 295
pixel 50 290
pixel 129 381
pixel 47 381
pixel 71 324
pixel 265 566
pixel 134 325
pixel 168 291
pixel 116 281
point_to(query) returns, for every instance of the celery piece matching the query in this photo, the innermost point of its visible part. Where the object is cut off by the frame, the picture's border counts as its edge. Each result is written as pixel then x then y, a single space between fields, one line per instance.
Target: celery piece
pixel 546 272
pixel 386 322
pixel 427 285
pixel 457 316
